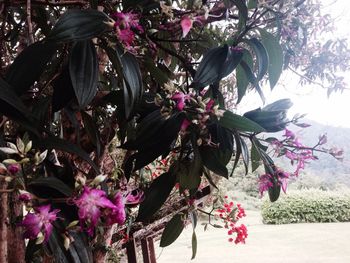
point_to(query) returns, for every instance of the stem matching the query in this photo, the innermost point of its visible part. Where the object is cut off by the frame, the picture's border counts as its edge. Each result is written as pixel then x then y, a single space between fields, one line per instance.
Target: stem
pixel 29 22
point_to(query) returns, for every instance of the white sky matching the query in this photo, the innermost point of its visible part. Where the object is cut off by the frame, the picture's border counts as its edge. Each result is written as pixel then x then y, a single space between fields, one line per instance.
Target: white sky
pixel 313 100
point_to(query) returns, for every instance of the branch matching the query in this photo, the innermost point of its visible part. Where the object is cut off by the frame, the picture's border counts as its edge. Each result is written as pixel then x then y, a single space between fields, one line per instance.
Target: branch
pixel 29 22
pixel 50 3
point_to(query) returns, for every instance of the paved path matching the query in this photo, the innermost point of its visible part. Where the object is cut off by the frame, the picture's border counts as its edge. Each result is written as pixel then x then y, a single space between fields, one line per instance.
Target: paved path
pixel 293 243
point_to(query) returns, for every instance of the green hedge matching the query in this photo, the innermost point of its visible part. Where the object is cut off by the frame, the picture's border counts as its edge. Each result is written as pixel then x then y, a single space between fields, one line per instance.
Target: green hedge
pixel 308 206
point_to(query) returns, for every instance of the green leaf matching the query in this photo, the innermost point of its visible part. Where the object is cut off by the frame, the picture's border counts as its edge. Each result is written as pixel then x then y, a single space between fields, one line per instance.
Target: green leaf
pixel 243 14
pixel 83 70
pixel 172 230
pixel 233 121
pixel 189 173
pixel 78 24
pixel 261 56
pixel 44 184
pixel 252 4
pixel 238 151
pixel 255 157
pixel 274 192
pixel 215 159
pixel 66 146
pixel 242 79
pixel 29 65
pixel 160 76
pixel 155 196
pixel 275 53
pixel 194 245
pixel 245 154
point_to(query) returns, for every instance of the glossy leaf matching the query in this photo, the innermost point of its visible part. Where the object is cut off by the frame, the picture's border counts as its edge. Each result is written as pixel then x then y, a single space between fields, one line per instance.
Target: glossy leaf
pixel 63 92
pixel 194 245
pixel 77 25
pixel 274 192
pixel 155 196
pixel 245 154
pixel 132 75
pixel 243 13
pixel 275 53
pixel 83 70
pixel 261 56
pixel 29 65
pixel 210 68
pixel 92 131
pixel 172 230
pixel 255 157
pixel 252 4
pixel 238 152
pixel 49 187
pixel 66 146
pixel 233 121
pixel 241 76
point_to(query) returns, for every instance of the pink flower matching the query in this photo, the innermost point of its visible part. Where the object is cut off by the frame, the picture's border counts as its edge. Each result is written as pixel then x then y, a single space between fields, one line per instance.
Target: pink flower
pixel 186 25
pixel 265 182
pixel 209 105
pixel 126 36
pixel 283 179
pixel 289 134
pixel 185 124
pixel 180 99
pixel 90 204
pixel 40 221
pixel 134 197
pixel 13 168
pixel 25 196
pixel 116 215
pixel 127 21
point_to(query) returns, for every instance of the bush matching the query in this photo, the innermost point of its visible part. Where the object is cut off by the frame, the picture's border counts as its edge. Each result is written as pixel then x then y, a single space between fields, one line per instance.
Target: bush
pixel 308 206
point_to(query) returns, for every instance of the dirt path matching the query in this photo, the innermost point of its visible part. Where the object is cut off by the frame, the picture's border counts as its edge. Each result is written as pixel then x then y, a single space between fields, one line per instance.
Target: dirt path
pixel 294 243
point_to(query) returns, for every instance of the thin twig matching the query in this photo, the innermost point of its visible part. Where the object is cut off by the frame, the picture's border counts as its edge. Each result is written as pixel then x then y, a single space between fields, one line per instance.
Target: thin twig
pixel 29 22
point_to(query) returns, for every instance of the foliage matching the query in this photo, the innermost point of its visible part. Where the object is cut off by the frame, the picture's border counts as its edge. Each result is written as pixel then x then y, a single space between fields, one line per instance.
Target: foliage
pixel 82 79
pixel 308 206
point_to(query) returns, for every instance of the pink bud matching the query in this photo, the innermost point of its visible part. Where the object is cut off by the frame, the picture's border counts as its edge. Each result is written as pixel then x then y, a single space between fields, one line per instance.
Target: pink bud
pixel 186 25
pixel 13 169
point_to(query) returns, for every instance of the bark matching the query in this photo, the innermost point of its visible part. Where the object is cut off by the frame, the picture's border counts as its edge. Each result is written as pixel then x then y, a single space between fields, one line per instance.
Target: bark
pixel 3 223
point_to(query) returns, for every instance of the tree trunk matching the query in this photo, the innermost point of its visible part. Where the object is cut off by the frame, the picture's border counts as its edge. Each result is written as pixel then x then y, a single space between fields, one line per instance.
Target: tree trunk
pixel 3 223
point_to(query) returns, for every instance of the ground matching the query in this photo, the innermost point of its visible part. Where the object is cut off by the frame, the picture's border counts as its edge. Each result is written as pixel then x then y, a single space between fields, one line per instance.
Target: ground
pixel 292 243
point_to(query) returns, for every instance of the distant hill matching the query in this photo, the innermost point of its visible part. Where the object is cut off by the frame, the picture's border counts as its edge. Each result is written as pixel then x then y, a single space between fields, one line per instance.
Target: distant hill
pixel 327 168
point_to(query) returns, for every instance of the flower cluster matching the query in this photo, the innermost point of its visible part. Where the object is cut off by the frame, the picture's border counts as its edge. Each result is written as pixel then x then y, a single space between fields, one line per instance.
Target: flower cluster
pixel 39 223
pixel 269 180
pixel 230 214
pixel 126 24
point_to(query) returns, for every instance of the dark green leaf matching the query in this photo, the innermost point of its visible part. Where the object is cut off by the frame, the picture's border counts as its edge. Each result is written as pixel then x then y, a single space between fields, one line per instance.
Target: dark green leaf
pixel 242 79
pixel 189 173
pixel 46 185
pixel 78 24
pixel 92 131
pixel 275 53
pixel 210 68
pixel 63 145
pixel 63 92
pixel 245 154
pixel 279 105
pixel 172 230
pixel 238 151
pixel 160 76
pixel 243 13
pixel 194 245
pixel 274 192
pixel 255 157
pixel 215 159
pixel 252 79
pixel 252 4
pixel 83 70
pixel 155 196
pixel 29 65
pixel 233 59
pixel 133 89
pixel 233 121
pixel 40 110
pixel 261 57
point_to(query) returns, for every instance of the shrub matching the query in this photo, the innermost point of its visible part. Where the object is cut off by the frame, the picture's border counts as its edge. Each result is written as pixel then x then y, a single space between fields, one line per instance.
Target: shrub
pixel 308 206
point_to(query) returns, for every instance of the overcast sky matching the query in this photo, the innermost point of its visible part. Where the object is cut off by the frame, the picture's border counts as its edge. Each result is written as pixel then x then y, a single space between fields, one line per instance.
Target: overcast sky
pixel 312 99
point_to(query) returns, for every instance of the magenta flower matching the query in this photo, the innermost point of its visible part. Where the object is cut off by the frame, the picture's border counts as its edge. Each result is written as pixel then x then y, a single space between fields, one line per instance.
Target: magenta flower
pixel 90 204
pixel 209 105
pixel 125 25
pixel 181 100
pixel 116 215
pixel 126 36
pixel 134 197
pixel 13 168
pixel 289 134
pixel 186 25
pixel 24 196
pixel 39 221
pixel 283 179
pixel 184 125
pixel 265 182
